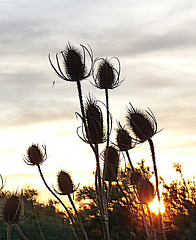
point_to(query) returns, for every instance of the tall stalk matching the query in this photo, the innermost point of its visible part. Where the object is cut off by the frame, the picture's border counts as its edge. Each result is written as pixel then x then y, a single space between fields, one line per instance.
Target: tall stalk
pixel 66 209
pixel 157 186
pixel 108 116
pixel 78 217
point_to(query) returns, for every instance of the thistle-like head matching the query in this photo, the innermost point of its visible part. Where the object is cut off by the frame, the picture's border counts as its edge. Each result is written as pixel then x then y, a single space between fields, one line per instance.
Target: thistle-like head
pixel 124 140
pixel 111 163
pixel 105 75
pixel 143 124
pixel 13 209
pixel 35 155
pixel 146 191
pixel 65 183
pixel 94 122
pixel 71 63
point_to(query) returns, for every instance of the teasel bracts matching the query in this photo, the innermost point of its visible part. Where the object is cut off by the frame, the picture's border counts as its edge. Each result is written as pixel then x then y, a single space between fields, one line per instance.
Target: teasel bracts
pixel 35 154
pixel 124 140
pixel 105 75
pixel 146 191
pixel 111 163
pixel 73 67
pixel 13 209
pixel 94 122
pixel 143 124
pixel 65 183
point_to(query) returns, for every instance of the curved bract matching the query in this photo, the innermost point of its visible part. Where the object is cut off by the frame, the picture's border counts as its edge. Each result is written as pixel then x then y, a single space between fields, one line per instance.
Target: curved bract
pixel 71 63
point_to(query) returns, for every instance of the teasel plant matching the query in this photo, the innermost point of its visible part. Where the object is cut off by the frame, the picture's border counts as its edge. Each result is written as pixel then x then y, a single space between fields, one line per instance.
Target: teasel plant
pixel 36 155
pixel 144 126
pixel 66 187
pixel 94 134
pixel 106 77
pixel 12 212
pixel 144 190
pixel 125 142
pixel 71 66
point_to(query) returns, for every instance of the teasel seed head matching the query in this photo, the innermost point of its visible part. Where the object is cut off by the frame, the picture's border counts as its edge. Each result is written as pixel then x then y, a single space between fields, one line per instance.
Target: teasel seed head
pixel 35 155
pixel 74 63
pixel 143 124
pixel 106 76
pixel 124 140
pixel 13 209
pixel 136 178
pixel 146 191
pixel 111 163
pixel 65 183
pixel 94 122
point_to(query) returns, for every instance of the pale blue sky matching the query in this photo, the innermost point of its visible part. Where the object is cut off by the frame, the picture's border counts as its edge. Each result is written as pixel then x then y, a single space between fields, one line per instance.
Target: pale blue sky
pixel 155 42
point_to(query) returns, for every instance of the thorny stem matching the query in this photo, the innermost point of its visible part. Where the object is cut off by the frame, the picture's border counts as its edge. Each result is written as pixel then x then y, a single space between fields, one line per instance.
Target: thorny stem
pixel 21 233
pixel 129 159
pixel 8 232
pixel 108 116
pixel 157 185
pixel 82 111
pixel 101 196
pixel 66 209
pixel 144 215
pixel 78 217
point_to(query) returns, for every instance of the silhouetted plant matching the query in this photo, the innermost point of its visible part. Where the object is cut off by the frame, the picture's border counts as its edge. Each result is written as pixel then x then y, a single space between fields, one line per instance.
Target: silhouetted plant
pixel 36 156
pixel 71 65
pixel 12 212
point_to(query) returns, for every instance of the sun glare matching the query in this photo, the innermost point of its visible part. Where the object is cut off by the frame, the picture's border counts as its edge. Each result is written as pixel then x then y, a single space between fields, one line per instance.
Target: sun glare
pixel 154 206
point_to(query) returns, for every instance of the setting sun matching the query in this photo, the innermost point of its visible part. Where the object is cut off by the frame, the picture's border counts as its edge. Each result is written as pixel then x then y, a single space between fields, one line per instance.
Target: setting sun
pixel 154 206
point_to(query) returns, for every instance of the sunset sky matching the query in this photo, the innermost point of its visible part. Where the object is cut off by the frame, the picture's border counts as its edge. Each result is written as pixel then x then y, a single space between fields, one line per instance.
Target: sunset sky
pixel 155 42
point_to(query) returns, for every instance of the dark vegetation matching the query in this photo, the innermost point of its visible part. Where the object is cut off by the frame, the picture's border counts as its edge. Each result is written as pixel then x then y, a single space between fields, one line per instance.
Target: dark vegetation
pixel 45 221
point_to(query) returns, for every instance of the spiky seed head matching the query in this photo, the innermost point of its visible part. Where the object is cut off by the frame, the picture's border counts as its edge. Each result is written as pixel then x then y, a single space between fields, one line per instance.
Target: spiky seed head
pixel 136 178
pixel 124 140
pixel 73 62
pixel 65 183
pixel 35 155
pixel 143 125
pixel 146 191
pixel 94 120
pixel 105 75
pixel 13 209
pixel 111 163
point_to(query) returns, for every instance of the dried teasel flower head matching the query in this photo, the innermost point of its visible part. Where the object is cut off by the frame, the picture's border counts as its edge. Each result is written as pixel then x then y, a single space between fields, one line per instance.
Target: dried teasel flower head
pixel 105 75
pixel 136 178
pixel 124 140
pixel 111 163
pixel 65 183
pixel 146 191
pixel 94 122
pixel 74 63
pixel 35 155
pixel 143 124
pixel 13 209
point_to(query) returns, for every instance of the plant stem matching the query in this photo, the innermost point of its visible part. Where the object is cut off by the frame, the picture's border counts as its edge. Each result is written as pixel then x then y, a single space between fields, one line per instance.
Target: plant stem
pixel 157 186
pixel 66 209
pixel 21 233
pixel 129 159
pixel 78 217
pixel 8 232
pixel 108 116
